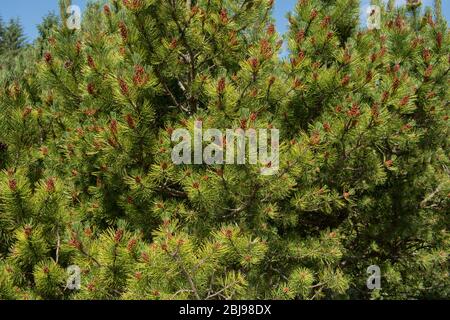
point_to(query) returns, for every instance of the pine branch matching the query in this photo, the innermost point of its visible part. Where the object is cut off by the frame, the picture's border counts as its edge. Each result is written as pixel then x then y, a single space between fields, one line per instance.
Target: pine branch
pixel 176 257
pixel 218 293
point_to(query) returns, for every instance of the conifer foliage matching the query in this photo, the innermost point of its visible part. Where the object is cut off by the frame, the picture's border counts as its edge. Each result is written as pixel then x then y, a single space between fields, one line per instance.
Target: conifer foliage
pixel 87 176
pixel 12 42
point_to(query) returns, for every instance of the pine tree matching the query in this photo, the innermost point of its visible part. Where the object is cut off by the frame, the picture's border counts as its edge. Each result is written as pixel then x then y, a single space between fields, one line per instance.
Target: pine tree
pixel 45 28
pixel 2 32
pixel 13 37
pixel 12 44
pixel 88 179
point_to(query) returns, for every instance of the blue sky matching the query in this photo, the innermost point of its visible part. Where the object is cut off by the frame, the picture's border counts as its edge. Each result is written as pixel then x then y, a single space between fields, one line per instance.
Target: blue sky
pixel 31 12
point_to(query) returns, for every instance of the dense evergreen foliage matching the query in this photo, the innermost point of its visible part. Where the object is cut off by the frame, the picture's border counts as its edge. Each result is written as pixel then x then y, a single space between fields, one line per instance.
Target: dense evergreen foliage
pixel 87 179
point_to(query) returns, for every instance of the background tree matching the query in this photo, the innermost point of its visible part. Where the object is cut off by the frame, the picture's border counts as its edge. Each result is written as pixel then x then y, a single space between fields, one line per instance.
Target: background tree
pixel 47 26
pixel 2 31
pixel 13 37
pixel 12 42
